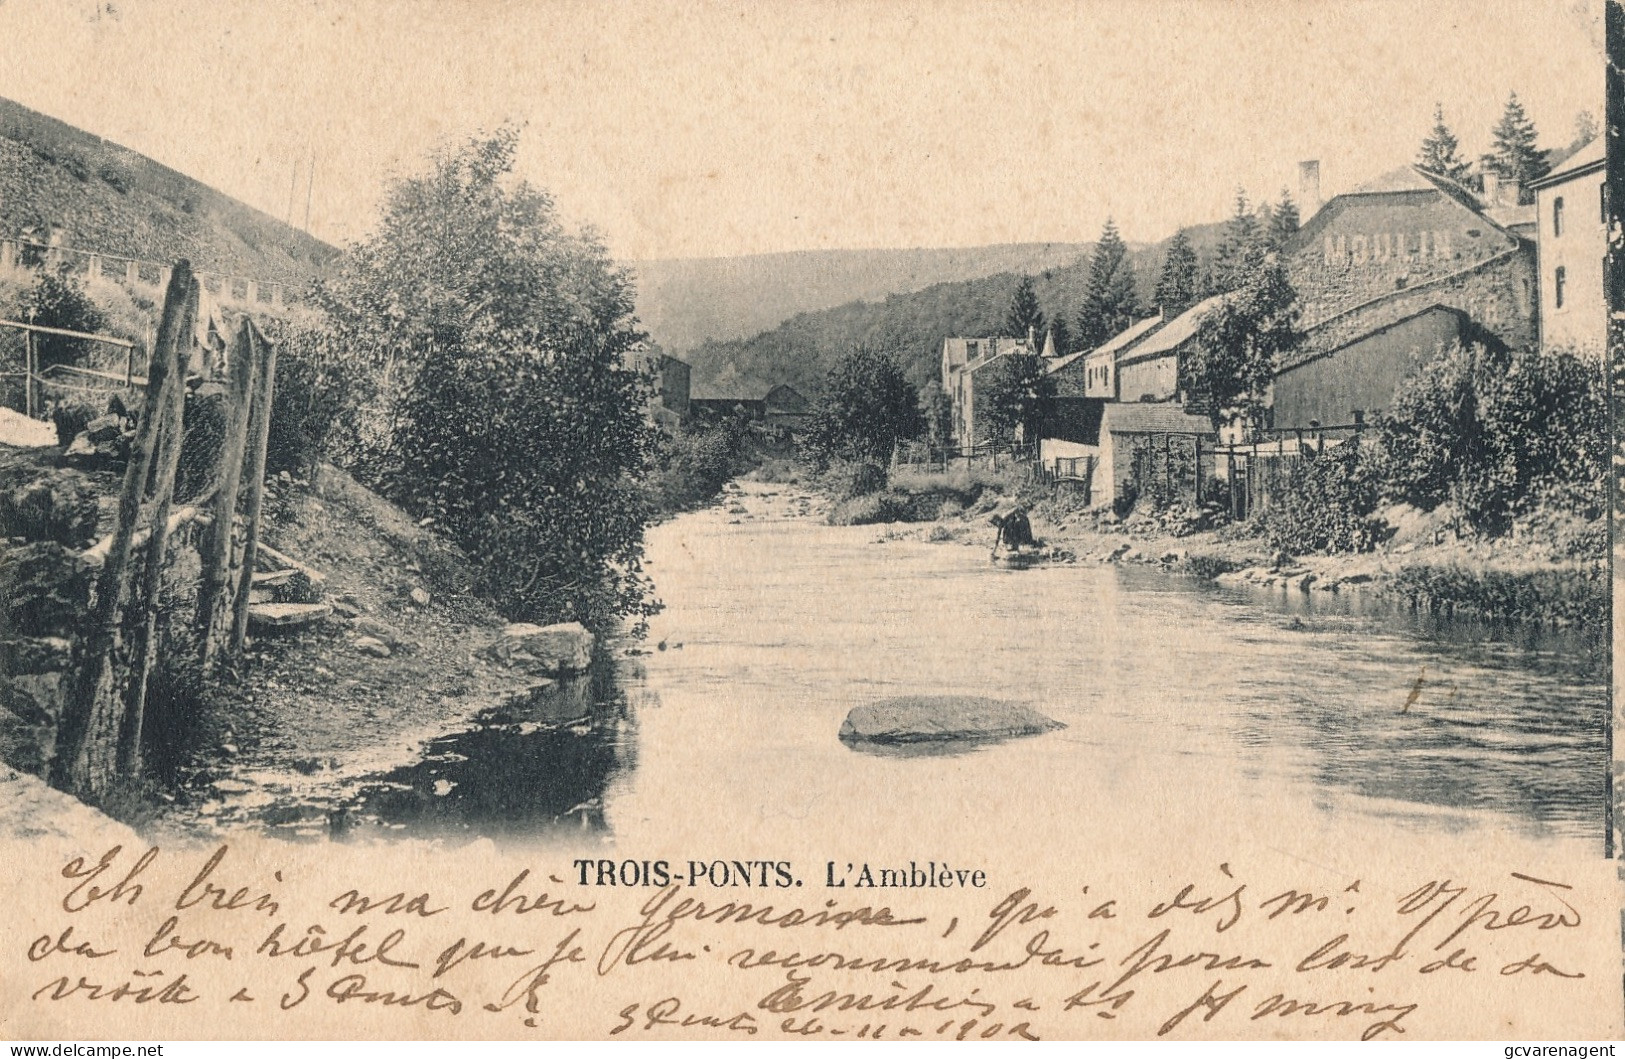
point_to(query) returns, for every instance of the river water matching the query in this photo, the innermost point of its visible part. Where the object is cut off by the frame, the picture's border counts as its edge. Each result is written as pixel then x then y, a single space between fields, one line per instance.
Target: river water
pixel 1187 706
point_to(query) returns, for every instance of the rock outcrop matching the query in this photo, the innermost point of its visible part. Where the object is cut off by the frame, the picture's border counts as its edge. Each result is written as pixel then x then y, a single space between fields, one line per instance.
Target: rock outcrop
pixel 942 718
pixel 546 650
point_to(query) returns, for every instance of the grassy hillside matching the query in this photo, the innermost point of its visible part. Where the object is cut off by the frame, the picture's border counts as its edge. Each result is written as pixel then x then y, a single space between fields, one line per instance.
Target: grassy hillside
pixel 108 198
pixel 684 302
pixel 801 350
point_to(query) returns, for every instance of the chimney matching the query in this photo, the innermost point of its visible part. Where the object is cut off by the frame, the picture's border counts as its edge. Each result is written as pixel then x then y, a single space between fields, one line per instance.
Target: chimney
pixel 1512 192
pixel 1308 188
pixel 1492 189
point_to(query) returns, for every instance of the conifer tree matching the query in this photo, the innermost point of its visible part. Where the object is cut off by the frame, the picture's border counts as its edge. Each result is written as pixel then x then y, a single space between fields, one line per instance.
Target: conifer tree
pixel 1179 286
pixel 1109 301
pixel 1515 155
pixel 1062 334
pixel 1438 153
pixel 1025 316
pixel 1283 221
pixel 1239 248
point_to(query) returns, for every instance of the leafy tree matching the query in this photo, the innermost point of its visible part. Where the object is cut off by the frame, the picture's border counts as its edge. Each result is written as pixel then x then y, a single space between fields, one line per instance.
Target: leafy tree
pixel 1011 393
pixel 511 419
pixel 1062 334
pixel 1515 155
pixel 1109 299
pixel 1025 317
pixel 1239 343
pixel 1284 222
pixel 1240 248
pixel 1179 287
pixel 1438 152
pixel 867 407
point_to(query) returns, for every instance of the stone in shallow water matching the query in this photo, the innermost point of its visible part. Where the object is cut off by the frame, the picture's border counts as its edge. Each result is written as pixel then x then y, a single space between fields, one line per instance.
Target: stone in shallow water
pixel 942 718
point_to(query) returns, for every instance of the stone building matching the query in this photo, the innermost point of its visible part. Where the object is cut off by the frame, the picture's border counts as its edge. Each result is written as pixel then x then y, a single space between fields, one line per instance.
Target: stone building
pixel 962 360
pixel 669 386
pixel 1093 373
pixel 1403 243
pixel 1572 241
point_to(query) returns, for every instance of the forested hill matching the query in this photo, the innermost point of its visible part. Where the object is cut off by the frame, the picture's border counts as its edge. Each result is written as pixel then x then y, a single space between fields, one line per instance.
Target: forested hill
pixel 683 302
pixel 801 350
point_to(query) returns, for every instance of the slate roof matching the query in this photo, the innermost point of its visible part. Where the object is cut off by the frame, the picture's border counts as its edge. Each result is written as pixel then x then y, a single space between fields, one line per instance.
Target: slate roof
pixel 1145 417
pixel 1175 333
pixel 1589 157
pixel 1121 341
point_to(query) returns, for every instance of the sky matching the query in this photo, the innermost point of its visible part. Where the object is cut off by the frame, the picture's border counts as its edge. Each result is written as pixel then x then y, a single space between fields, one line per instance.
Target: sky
pixel 703 129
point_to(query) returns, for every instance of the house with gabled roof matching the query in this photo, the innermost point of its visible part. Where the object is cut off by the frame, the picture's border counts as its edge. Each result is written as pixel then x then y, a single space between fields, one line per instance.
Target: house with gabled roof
pixel 1150 370
pixel 1093 372
pixel 1572 240
pixel 962 360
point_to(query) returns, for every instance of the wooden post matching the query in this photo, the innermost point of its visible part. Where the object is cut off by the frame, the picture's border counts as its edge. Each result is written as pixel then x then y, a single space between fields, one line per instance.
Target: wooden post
pixel 88 727
pixel 1196 468
pixel 169 458
pixel 259 434
pixel 228 478
pixel 30 366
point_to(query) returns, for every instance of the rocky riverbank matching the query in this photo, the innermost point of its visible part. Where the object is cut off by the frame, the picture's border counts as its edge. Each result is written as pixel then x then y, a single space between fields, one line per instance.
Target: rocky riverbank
pixel 1548 569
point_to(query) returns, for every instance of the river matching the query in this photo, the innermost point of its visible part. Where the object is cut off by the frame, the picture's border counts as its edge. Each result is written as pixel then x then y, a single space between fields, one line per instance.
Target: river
pixel 1187 706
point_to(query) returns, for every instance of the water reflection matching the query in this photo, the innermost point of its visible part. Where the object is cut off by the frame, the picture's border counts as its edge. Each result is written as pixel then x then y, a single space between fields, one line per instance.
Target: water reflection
pixel 536 766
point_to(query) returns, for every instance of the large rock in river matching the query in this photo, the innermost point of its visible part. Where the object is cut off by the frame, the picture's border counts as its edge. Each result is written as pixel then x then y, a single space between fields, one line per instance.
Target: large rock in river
pixel 545 649
pixel 942 718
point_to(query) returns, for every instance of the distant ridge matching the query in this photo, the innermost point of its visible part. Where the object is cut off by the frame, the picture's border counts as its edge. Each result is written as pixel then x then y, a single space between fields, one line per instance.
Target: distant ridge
pixel 107 198
pixel 683 302
pixel 801 350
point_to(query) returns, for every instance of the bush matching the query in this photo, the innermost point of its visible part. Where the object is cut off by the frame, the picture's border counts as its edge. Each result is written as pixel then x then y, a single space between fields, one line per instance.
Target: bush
pixel 890 506
pixel 693 465
pixel 1327 503
pixel 847 479
pixel 57 299
pixel 1209 567
pixel 1497 433
pixel 317 399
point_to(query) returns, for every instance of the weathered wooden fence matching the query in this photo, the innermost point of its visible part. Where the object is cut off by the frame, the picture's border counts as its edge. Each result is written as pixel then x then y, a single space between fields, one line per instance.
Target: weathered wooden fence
pixel 1257 473
pixel 1170 468
pixel 989 456
pixel 101 731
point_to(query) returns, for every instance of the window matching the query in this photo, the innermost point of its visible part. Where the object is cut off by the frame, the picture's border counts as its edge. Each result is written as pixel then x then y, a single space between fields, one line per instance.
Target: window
pixel 1560 281
pixel 1557 216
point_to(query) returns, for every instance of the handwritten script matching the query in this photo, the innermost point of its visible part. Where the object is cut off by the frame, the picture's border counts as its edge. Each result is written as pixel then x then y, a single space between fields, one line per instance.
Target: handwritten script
pixel 219 938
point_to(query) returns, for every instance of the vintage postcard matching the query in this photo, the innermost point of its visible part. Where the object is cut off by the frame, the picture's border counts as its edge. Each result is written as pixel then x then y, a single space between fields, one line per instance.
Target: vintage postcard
pixel 999 520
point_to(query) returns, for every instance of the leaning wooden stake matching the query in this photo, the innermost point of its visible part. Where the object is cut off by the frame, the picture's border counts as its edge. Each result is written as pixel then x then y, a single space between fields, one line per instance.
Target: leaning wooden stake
pixel 169 459
pixel 213 585
pixel 259 433
pixel 85 745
